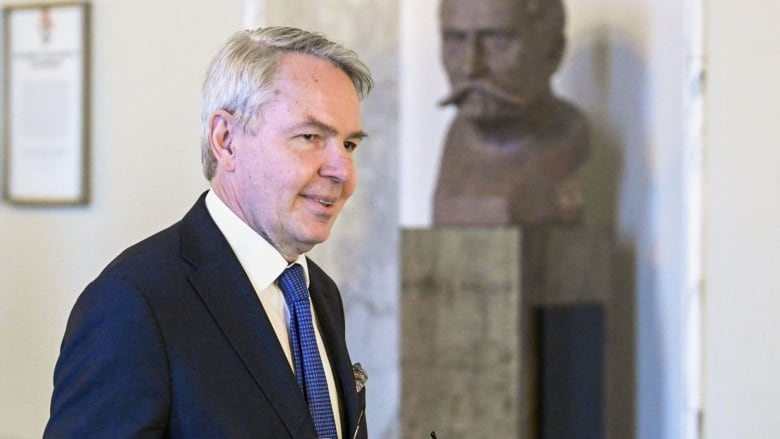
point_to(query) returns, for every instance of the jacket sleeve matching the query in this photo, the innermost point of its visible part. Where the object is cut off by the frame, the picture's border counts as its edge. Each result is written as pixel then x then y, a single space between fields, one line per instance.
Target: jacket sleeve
pixel 111 378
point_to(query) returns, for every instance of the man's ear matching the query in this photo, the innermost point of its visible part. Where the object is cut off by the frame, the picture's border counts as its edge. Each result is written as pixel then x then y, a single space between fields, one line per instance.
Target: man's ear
pixel 222 130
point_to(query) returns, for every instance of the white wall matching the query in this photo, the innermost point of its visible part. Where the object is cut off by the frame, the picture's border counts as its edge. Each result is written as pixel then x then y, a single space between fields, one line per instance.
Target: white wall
pixel 742 193
pixel 149 58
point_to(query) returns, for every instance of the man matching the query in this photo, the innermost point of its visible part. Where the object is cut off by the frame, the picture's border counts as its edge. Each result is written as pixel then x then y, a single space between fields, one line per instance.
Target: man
pixel 194 333
pixel 513 151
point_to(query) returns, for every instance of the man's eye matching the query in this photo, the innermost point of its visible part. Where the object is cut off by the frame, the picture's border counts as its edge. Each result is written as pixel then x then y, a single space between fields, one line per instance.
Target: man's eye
pixel 350 146
pixel 309 137
pixel 454 37
pixel 500 41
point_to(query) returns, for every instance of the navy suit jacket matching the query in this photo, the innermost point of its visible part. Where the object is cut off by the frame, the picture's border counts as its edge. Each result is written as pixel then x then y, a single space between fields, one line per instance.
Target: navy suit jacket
pixel 171 341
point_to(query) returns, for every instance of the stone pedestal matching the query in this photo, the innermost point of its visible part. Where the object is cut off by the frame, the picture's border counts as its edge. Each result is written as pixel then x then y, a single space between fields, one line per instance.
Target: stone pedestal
pixel 460 333
pixel 471 339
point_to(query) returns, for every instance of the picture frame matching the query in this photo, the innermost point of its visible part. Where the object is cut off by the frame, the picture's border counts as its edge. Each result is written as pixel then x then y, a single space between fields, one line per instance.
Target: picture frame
pixel 46 103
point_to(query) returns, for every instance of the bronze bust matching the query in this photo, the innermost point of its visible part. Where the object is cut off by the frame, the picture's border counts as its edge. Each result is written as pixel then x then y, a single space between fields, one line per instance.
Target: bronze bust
pixel 513 152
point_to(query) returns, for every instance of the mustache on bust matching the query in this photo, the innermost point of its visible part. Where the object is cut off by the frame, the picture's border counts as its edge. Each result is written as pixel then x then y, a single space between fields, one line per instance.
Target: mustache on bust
pixel 483 87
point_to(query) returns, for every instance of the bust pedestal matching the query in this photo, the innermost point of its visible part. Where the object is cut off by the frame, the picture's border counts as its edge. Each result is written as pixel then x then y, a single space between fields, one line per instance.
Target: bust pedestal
pixel 478 305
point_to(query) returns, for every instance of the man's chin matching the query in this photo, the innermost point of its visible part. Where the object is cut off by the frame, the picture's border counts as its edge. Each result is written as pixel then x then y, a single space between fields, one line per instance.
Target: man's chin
pixel 315 236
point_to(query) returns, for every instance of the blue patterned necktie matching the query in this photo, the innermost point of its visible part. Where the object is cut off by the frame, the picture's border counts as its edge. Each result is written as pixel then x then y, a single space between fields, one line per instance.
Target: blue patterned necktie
pixel 306 356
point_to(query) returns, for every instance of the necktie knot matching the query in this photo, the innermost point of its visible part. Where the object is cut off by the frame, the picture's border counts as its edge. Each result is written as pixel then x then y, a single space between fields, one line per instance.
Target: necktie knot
pixel 293 284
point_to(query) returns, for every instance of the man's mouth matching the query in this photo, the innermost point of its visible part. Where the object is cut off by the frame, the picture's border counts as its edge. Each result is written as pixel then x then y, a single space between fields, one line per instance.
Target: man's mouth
pixel 324 201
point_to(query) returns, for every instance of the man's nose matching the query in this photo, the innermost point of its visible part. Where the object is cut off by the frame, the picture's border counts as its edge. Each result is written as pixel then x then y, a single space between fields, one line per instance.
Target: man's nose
pixel 473 58
pixel 337 164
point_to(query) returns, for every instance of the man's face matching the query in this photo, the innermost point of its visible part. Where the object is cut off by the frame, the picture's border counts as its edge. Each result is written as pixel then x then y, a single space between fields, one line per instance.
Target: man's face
pixel 495 63
pixel 294 170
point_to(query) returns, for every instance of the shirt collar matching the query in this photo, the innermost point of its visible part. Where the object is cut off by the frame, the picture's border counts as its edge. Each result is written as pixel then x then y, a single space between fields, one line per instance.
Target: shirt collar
pixel 259 259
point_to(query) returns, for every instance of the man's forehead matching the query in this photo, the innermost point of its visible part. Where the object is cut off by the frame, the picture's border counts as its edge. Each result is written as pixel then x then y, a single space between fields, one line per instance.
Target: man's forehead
pixel 483 14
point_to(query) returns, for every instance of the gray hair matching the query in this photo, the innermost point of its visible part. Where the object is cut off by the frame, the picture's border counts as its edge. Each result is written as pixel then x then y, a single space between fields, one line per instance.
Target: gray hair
pixel 240 76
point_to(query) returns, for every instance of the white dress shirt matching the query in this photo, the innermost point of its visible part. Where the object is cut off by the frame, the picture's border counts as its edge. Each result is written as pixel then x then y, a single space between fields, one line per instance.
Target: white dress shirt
pixel 263 264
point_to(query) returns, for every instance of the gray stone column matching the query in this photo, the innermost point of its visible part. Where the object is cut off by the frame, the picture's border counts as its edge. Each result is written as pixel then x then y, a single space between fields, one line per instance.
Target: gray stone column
pixel 492 319
pixel 362 252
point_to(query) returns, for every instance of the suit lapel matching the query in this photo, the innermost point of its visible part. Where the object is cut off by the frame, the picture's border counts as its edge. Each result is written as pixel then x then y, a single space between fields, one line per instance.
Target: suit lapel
pixel 225 289
pixel 326 301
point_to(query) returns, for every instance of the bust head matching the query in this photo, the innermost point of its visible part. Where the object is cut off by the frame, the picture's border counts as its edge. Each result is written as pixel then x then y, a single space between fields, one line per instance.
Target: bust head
pixel 499 55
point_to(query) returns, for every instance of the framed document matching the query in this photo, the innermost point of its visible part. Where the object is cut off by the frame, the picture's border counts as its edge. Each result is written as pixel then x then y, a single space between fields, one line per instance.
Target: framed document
pixel 46 103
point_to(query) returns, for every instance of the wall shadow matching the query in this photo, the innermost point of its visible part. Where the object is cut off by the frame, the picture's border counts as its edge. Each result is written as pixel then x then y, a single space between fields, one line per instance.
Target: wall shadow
pixel 606 76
